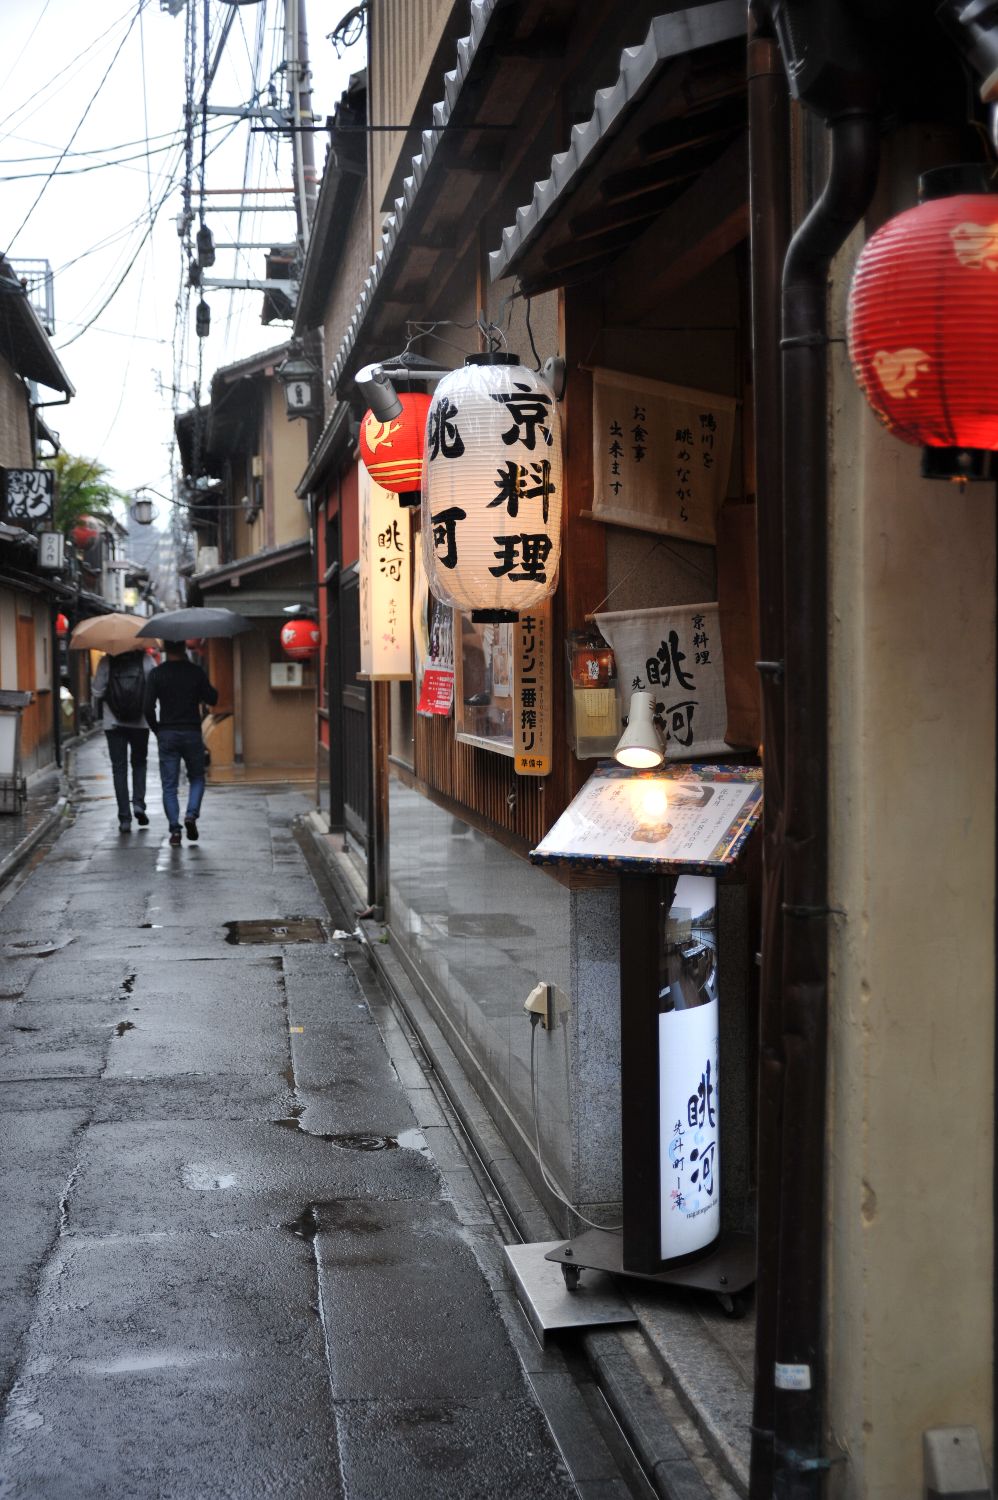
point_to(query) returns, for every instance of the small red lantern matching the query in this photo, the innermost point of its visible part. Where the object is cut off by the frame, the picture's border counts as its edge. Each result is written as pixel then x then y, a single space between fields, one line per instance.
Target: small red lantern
pixel 300 639
pixel 393 451
pixel 86 531
pixel 923 322
pixel 61 625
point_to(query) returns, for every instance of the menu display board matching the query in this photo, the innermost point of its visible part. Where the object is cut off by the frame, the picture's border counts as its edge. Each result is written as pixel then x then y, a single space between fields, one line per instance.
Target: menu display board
pixel 675 818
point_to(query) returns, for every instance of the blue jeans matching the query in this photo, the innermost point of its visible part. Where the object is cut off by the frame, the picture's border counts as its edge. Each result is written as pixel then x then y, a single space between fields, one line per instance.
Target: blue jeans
pixel 120 740
pixel 176 745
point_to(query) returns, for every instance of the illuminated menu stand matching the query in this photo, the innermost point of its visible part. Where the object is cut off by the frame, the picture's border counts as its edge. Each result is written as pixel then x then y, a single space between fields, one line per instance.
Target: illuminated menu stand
pixel 708 813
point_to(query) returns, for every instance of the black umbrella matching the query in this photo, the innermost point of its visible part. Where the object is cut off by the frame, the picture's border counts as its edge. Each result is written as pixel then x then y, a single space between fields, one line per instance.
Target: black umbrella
pixel 194 624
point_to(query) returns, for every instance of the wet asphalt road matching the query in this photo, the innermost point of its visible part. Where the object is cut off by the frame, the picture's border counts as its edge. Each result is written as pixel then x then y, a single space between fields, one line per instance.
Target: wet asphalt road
pixel 230 1266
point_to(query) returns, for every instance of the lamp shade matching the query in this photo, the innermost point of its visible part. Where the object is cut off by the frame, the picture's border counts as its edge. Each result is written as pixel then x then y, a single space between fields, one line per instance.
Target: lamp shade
pixel 393 451
pixel 640 746
pixel 61 625
pixel 492 486
pixel 300 639
pixel 85 532
pixel 923 322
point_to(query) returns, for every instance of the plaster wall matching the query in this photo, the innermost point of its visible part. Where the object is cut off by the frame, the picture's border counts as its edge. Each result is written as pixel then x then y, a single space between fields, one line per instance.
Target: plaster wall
pixel 911 1037
pixel 278 724
pixel 15 429
pixel 289 459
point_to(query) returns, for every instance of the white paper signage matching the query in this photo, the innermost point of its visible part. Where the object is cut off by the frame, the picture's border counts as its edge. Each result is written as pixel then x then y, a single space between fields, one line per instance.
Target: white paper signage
pixel 689 1145
pixel 385 584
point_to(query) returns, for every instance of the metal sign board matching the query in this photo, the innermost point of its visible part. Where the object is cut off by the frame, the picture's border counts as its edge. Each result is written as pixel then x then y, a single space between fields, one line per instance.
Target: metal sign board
pixel 51 550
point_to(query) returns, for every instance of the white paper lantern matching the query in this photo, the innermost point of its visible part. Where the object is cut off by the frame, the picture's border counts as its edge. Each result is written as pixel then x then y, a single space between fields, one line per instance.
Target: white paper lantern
pixel 492 489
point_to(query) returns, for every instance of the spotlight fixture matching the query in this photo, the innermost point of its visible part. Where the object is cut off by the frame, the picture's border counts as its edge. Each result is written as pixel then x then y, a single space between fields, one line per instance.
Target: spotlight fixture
pixel 641 746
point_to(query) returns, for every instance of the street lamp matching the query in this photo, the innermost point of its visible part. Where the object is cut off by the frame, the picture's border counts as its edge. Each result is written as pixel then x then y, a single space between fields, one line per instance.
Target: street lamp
pixel 298 375
pixel 143 512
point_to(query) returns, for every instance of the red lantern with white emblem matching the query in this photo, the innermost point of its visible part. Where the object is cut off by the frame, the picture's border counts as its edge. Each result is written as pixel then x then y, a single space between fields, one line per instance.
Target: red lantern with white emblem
pixel 300 639
pixel 393 451
pixel 61 625
pixel 86 531
pixel 923 322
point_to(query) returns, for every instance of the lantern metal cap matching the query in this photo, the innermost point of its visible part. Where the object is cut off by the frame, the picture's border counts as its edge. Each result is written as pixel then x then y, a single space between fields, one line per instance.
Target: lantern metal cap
pixel 947 182
pixel 494 616
pixel 493 357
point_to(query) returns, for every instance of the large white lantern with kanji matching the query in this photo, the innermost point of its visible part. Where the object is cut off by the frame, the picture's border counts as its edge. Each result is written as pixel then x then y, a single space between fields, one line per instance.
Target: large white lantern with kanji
pixel 492 489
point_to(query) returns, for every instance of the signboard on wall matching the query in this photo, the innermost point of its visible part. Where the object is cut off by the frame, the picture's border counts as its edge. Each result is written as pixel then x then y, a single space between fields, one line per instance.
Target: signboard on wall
pixel 532 691
pixel 385 584
pixel 28 497
pixel 661 455
pixel 674 654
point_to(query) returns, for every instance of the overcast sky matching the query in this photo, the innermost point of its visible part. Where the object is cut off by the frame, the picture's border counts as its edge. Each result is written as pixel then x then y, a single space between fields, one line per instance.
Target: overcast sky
pixel 94 225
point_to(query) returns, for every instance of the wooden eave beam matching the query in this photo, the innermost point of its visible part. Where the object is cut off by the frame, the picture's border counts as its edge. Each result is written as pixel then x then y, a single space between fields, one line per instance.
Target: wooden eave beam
pixel 703 224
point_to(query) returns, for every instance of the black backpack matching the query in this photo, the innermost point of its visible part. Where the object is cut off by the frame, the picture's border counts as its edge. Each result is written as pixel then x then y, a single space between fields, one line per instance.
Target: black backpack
pixel 126 686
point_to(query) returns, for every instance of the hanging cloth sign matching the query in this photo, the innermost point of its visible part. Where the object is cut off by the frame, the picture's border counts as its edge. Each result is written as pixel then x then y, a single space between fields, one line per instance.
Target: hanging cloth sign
pixel 674 654
pixel 661 455
pixel 385 584
pixel 532 691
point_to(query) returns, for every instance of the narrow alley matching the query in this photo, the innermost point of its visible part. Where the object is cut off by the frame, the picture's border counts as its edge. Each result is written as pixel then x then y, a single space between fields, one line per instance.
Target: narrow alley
pixel 244 1253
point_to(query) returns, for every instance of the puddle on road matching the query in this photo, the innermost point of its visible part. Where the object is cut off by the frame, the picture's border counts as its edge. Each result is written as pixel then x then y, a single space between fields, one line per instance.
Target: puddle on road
pixel 202 1179
pixel 306 1226
pixel 276 930
pixel 406 1140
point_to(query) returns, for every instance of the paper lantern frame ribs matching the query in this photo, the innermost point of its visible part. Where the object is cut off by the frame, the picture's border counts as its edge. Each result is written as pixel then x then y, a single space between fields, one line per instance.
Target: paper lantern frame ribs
pixel 923 325
pixel 492 489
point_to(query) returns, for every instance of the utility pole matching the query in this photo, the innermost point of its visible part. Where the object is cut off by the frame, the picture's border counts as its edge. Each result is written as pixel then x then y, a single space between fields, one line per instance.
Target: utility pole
pixel 300 99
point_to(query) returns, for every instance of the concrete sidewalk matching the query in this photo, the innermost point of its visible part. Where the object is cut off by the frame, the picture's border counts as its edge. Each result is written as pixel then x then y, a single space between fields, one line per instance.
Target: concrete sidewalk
pixel 250 1255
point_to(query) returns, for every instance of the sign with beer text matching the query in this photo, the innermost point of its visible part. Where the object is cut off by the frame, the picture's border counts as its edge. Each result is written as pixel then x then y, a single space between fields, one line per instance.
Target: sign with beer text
pixel 532 708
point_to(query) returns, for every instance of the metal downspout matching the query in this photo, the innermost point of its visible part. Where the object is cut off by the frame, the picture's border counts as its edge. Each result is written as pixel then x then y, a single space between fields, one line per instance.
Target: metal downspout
pixel 769 206
pixel 799 1411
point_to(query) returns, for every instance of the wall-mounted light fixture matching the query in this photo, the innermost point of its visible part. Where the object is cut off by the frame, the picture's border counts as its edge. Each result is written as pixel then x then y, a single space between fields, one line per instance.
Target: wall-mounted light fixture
pixel 641 746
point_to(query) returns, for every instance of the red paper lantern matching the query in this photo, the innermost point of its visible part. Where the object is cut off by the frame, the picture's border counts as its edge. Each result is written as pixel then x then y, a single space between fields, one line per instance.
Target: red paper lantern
pixel 393 451
pixel 61 625
pixel 923 322
pixel 86 531
pixel 300 639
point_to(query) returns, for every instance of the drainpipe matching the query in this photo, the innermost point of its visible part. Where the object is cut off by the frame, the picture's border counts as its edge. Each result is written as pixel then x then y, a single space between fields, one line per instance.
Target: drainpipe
pixel 769 208
pixel 799 1407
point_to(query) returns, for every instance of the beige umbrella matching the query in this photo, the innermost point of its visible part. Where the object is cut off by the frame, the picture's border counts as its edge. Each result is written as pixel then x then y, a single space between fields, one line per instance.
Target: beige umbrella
pixel 113 634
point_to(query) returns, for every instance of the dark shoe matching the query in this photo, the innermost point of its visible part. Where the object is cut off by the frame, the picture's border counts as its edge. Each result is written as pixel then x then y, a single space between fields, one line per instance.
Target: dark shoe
pixel 175 838
pixel 124 826
pixel 191 824
pixel 142 818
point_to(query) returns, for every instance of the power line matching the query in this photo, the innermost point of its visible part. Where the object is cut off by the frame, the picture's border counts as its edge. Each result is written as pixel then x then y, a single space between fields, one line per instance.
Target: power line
pixel 90 103
pixel 149 229
pixel 36 98
pixel 98 166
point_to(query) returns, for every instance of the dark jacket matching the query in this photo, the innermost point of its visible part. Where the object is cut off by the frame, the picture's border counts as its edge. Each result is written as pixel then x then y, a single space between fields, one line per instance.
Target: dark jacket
pixel 179 688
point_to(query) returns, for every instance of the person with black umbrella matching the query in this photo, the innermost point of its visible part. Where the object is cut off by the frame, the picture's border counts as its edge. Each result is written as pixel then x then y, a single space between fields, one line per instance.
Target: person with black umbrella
pixel 178 689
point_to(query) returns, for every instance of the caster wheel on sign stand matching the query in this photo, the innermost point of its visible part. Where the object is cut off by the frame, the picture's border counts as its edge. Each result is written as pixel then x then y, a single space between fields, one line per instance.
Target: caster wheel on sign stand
pixel 571 1275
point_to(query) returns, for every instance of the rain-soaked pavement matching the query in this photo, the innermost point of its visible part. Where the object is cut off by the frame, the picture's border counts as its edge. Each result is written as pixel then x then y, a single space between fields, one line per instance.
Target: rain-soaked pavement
pixel 230 1265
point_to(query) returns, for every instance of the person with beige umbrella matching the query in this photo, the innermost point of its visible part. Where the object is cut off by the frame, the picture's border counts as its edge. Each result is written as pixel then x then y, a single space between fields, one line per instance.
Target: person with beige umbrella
pixel 119 687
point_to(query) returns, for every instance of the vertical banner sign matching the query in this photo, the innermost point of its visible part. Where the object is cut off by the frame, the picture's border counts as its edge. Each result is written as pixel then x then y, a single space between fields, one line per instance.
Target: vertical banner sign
pixel 28 497
pixel 675 654
pixel 689 1142
pixel 661 455
pixel 385 585
pixel 532 691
